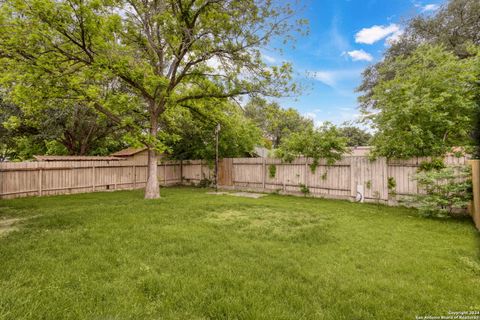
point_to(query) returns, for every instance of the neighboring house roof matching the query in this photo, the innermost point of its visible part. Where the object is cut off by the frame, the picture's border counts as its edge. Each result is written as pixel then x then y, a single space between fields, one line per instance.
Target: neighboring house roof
pixel 128 152
pixel 360 151
pixel 261 152
pixel 75 158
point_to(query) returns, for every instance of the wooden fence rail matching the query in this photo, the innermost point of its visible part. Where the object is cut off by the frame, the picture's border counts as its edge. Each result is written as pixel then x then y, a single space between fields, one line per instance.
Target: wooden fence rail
pixel 375 179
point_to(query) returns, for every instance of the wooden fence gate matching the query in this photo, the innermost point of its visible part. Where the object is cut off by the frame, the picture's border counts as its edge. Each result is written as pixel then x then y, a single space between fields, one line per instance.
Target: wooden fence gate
pixel 225 172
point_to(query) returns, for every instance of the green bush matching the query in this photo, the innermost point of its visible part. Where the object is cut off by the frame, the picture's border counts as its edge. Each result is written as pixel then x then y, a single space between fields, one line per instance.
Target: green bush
pixel 272 171
pixel 447 191
pixel 205 183
pixel 369 184
pixel 304 189
pixel 434 164
pixel 392 184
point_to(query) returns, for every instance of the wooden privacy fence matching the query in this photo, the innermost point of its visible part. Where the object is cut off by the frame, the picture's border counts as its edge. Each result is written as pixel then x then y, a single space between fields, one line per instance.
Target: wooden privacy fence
pixel 381 180
pixel 475 210
pixel 378 181
pixel 62 177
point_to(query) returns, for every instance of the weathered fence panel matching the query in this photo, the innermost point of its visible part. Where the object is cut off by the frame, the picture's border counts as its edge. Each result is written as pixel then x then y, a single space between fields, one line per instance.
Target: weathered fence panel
pixel 54 178
pixel 382 180
pixel 225 172
pixel 339 180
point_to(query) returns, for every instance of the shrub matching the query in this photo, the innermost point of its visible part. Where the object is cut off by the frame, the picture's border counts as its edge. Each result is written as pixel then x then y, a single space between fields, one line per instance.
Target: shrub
pixel 447 191
pixel 205 183
pixel 272 171
pixel 434 164
pixel 369 184
pixel 324 175
pixel 304 189
pixel 392 184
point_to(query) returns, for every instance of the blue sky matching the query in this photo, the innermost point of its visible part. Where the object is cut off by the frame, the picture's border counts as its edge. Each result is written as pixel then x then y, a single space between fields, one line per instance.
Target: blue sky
pixel 345 37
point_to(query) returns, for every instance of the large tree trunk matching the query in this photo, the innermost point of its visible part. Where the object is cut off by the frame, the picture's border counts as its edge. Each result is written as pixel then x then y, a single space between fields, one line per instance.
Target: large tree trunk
pixel 152 189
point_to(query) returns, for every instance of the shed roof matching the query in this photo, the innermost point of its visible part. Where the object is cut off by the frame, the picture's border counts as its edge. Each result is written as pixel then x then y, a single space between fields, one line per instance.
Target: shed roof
pixel 128 152
pixel 75 158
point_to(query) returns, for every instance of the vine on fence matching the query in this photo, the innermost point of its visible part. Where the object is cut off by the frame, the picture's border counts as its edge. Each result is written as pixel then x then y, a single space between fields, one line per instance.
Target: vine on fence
pixel 272 171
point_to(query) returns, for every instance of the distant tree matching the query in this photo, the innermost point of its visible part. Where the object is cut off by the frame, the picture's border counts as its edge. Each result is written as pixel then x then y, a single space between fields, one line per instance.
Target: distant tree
pixel 58 130
pixel 195 134
pixel 325 142
pixel 355 136
pixel 428 106
pixel 275 122
pixel 81 130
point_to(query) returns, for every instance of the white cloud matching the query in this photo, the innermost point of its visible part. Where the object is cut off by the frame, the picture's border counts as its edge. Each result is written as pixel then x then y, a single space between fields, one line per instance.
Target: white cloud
pixel 327 77
pixel 313 116
pixel 332 78
pixel 339 115
pixel 360 55
pixel 268 58
pixel 376 33
pixel 430 7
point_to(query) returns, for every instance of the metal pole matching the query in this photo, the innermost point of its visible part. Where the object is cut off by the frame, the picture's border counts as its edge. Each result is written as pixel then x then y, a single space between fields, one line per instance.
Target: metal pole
pixel 217 131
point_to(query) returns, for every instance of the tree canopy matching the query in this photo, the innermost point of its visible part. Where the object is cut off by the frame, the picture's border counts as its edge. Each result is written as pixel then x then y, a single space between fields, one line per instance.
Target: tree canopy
pixel 325 142
pixel 58 130
pixel 134 60
pixel 194 133
pixel 355 136
pixel 423 96
pixel 428 106
pixel 275 122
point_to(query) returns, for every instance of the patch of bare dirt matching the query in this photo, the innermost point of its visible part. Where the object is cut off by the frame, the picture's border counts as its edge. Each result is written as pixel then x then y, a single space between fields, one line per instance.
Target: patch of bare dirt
pixel 9 225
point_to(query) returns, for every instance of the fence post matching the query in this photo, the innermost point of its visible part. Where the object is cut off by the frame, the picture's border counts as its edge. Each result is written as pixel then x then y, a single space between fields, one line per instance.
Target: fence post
pixel 385 190
pixel 40 182
pixel 305 175
pixel 116 178
pixel 233 173
pixel 134 168
pixel 94 178
pixel 353 186
pixel 164 173
pixel 181 171
pixel 263 172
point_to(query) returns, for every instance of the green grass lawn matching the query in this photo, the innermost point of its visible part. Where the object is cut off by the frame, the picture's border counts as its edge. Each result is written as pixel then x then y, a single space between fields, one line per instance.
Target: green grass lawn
pixel 191 255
